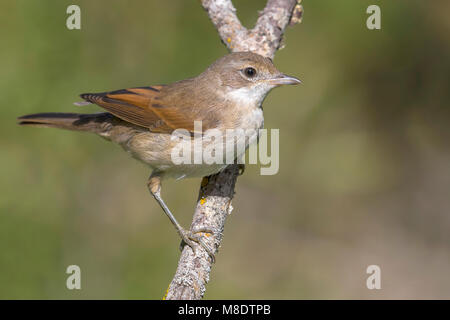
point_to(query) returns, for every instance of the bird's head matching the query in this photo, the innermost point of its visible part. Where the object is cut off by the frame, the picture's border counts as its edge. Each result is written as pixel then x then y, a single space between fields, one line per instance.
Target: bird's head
pixel 247 76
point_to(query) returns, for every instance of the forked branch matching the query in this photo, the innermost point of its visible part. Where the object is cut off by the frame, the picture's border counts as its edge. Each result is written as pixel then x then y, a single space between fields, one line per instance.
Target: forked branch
pixel 216 192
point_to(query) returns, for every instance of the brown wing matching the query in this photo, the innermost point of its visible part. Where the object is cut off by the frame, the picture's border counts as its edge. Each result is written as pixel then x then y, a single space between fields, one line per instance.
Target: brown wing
pixel 141 106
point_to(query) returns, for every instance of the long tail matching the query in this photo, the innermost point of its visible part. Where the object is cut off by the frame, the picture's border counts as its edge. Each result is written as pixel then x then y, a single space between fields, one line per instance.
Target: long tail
pixel 96 123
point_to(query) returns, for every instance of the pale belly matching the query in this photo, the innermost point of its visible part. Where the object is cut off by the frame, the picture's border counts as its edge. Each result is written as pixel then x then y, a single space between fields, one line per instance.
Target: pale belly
pixel 178 157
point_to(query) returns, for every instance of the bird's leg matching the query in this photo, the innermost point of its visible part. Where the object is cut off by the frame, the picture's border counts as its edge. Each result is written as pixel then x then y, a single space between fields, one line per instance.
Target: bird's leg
pixel 188 236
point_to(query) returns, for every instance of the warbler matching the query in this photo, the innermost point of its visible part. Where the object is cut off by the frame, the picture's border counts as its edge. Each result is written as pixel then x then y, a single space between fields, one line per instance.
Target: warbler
pixel 227 95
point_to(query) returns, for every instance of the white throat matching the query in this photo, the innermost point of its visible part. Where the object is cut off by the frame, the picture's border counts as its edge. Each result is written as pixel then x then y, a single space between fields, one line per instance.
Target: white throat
pixel 252 95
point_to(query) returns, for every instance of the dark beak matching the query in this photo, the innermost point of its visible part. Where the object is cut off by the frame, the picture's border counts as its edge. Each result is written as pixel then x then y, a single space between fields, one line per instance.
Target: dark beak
pixel 283 79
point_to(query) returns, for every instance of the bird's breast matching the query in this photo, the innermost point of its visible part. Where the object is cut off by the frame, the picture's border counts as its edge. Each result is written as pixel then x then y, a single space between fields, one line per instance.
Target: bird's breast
pixel 252 118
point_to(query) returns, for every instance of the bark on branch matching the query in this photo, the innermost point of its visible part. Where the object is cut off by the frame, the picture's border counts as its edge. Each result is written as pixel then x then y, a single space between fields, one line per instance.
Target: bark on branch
pixel 216 192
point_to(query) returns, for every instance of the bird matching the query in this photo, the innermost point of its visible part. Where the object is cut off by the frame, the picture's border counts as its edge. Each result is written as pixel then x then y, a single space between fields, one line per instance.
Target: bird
pixel 227 95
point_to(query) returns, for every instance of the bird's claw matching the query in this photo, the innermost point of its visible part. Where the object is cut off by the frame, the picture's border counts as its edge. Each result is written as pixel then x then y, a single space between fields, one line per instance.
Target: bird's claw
pixel 190 237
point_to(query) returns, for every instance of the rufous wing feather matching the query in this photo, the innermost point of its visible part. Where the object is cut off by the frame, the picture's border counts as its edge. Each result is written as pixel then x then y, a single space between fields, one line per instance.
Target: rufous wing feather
pixel 144 107
pixel 131 105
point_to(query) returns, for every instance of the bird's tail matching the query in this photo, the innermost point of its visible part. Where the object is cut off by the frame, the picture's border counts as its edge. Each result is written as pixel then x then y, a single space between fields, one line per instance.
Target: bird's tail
pixel 96 123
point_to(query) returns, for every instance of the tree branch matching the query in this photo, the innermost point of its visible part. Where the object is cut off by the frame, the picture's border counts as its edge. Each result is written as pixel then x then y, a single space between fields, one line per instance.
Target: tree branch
pixel 223 15
pixel 216 192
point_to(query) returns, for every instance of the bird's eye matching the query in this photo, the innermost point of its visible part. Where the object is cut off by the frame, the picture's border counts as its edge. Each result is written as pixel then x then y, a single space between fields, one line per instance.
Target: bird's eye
pixel 250 72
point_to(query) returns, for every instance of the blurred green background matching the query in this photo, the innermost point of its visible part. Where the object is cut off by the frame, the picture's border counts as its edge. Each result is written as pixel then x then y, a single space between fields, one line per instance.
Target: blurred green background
pixel 364 166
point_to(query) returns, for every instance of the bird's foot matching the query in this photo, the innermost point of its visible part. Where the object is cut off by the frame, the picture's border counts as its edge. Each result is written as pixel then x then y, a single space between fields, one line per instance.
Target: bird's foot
pixel 191 237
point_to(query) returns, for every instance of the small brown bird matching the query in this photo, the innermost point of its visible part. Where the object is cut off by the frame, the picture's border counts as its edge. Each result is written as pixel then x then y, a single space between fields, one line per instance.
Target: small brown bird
pixel 228 95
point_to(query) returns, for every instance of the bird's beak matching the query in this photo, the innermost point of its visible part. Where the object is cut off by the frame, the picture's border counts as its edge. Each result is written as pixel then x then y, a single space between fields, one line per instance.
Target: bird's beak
pixel 283 79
